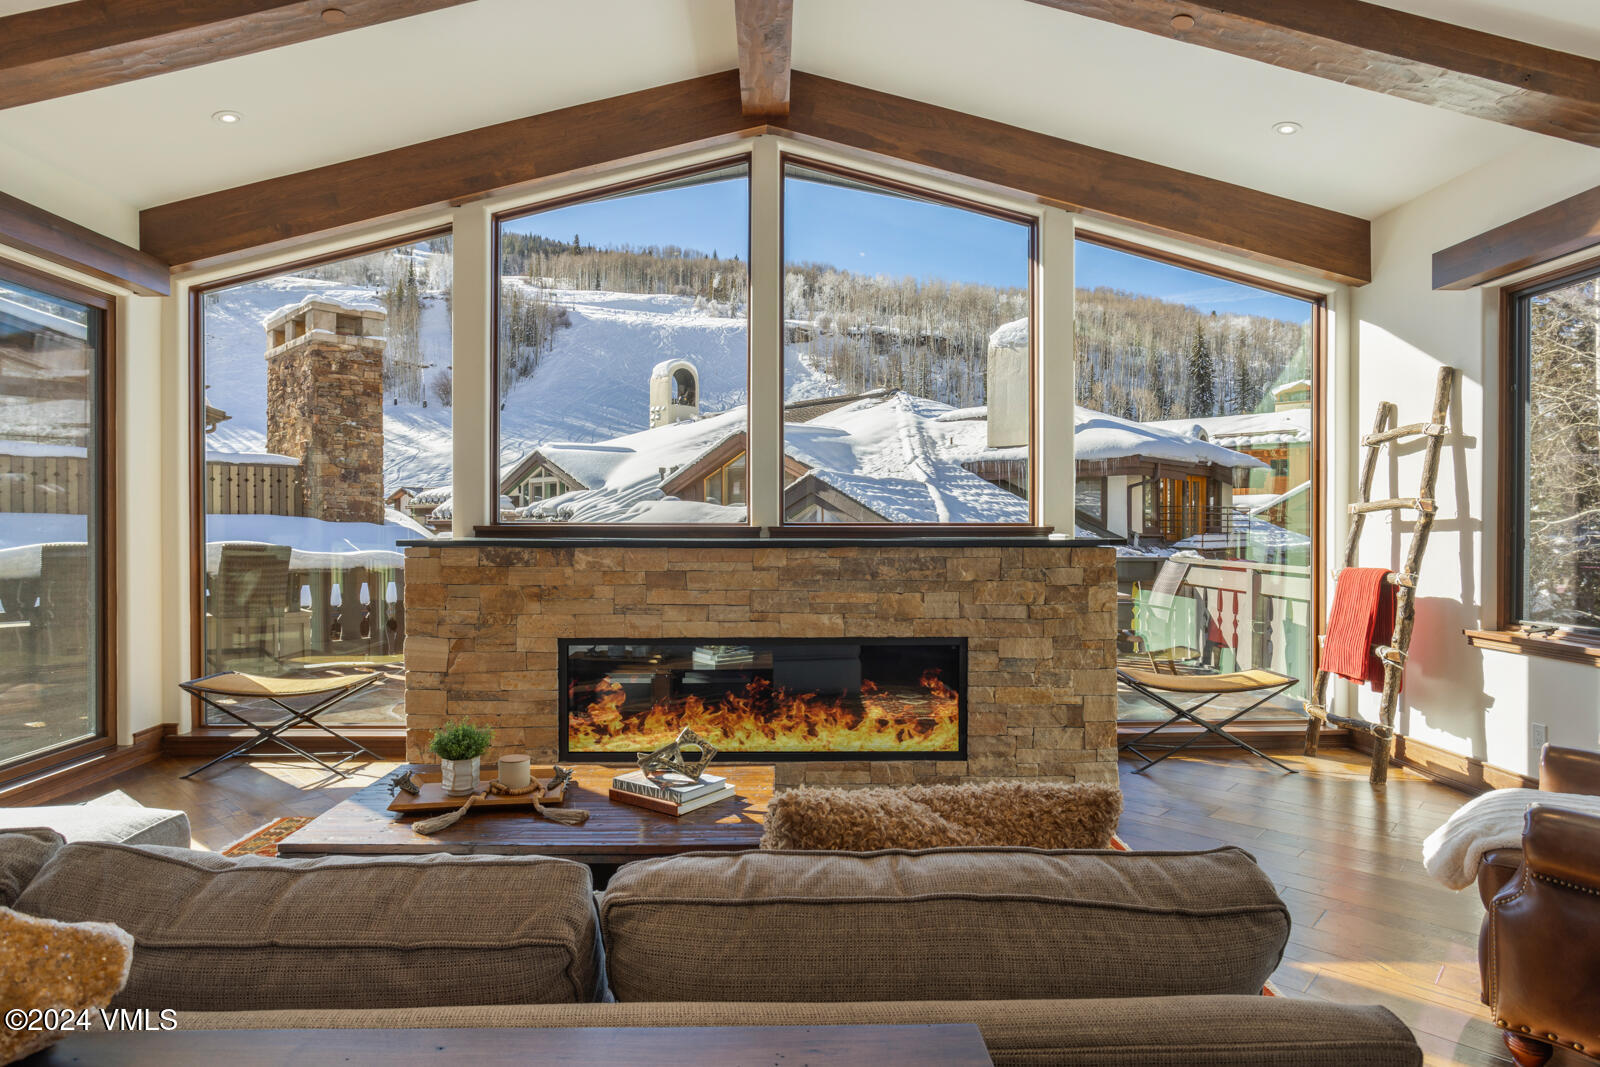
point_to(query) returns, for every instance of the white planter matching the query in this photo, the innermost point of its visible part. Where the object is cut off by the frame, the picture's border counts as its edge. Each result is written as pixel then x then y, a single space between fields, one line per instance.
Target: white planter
pixel 459 776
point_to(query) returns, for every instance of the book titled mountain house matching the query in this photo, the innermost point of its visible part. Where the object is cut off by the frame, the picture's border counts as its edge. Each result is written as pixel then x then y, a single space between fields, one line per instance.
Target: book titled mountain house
pixel 671 794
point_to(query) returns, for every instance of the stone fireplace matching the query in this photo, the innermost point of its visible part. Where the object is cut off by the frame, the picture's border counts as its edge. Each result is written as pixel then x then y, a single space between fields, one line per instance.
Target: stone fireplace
pixel 491 628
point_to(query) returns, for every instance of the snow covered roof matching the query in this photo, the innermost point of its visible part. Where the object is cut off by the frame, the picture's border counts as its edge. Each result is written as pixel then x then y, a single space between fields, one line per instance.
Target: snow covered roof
pixel 1099 436
pixel 12 308
pixel 1251 529
pixel 1251 430
pixel 1298 383
pixel 1013 334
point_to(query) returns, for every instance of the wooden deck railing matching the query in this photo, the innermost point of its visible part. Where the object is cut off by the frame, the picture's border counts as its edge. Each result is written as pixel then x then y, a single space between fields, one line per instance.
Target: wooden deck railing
pixel 60 485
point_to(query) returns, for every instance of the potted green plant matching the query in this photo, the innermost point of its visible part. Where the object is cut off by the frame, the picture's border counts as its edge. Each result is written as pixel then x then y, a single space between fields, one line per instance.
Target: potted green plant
pixel 460 746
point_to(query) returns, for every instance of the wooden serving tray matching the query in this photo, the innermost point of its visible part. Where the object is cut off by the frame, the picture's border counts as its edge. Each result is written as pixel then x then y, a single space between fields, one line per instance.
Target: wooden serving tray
pixel 433 798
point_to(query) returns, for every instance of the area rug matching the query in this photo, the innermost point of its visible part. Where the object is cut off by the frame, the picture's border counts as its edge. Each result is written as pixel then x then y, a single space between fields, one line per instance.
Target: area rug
pixel 264 842
pixel 1268 990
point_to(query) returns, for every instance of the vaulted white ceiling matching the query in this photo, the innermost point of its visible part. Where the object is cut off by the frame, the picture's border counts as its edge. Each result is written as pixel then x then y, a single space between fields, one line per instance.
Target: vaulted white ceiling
pixel 152 141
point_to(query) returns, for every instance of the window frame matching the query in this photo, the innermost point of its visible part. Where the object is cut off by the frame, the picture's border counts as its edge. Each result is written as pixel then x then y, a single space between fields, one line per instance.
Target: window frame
pixel 197 458
pixel 1321 443
pixel 103 409
pixel 1510 634
pixel 534 531
pixel 794 528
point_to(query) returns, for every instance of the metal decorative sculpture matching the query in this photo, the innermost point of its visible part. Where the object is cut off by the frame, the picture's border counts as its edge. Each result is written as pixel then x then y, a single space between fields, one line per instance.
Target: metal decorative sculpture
pixel 404 783
pixel 669 759
pixel 559 777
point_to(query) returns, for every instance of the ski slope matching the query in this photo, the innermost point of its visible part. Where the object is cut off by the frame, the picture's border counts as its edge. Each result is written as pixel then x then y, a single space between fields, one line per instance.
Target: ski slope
pixel 593 385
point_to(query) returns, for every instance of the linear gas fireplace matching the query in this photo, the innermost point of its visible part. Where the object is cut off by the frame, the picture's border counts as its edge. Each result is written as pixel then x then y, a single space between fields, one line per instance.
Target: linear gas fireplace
pixel 767 700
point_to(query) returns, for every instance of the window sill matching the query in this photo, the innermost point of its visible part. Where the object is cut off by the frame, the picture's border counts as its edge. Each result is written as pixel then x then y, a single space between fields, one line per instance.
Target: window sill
pixel 1560 644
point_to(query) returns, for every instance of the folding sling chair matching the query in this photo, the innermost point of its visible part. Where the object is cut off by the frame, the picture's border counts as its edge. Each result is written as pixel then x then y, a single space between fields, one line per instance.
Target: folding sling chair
pixel 276 690
pixel 1152 684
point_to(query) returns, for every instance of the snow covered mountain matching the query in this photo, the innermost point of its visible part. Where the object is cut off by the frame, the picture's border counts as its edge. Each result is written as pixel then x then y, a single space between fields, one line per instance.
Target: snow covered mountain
pixel 592 385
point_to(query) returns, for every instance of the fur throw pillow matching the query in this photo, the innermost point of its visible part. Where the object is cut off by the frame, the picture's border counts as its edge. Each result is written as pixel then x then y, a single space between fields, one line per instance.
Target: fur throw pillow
pixel 49 965
pixel 1015 814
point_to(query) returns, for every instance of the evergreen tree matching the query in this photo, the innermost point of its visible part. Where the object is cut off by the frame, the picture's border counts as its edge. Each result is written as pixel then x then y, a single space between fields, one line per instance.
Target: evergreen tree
pixel 1202 376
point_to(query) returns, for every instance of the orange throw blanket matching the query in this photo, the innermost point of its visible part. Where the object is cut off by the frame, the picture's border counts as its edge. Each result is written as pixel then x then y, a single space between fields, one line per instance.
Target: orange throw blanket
pixel 1362 600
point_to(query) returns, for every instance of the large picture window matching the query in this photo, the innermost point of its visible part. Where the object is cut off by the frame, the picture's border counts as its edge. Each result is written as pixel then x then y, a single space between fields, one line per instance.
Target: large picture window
pixel 326 411
pixel 908 359
pixel 52 520
pixel 622 353
pixel 1555 538
pixel 1195 427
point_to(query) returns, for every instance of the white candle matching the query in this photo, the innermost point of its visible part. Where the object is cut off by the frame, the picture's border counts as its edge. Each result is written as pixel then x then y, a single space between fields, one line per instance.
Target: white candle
pixel 514 770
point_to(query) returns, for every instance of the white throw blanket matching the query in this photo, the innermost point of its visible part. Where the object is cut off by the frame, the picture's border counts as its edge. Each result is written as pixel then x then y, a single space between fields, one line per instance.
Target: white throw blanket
pixel 1487 822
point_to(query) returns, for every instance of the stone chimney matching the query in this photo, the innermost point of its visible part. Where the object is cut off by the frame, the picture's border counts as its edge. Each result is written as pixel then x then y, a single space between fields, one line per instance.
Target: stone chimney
pixel 325 404
pixel 1006 384
pixel 674 392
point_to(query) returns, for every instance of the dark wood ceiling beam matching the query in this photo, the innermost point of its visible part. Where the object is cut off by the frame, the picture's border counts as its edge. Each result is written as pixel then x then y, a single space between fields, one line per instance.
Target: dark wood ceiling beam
pixel 454 169
pixel 766 35
pixel 72 48
pixel 515 154
pixel 1543 236
pixel 1385 50
pixel 50 237
pixel 1075 176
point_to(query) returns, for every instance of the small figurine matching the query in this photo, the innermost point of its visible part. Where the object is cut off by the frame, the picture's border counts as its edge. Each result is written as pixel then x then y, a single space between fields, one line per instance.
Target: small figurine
pixel 404 782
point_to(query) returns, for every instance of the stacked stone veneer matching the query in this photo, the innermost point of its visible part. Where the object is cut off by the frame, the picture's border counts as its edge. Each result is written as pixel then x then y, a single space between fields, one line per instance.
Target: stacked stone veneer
pixel 325 404
pixel 483 623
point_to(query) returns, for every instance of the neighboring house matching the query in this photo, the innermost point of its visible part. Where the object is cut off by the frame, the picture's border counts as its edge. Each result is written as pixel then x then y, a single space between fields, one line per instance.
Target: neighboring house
pixel 876 457
pixel 1281 440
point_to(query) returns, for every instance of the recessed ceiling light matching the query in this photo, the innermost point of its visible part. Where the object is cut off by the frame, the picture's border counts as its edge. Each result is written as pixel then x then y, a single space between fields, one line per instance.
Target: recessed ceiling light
pixel 333 15
pixel 227 118
pixel 1182 22
pixel 1286 128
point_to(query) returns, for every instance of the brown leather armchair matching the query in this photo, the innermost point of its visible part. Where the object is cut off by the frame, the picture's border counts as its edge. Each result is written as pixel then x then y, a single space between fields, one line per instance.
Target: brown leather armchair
pixel 1539 951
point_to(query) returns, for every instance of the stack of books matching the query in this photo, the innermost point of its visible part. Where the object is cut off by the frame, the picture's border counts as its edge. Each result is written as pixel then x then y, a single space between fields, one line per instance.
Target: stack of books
pixel 670 794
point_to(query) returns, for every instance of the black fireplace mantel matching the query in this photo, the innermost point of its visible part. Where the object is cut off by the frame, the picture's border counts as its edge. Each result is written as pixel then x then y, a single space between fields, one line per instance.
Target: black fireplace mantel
pixel 542 541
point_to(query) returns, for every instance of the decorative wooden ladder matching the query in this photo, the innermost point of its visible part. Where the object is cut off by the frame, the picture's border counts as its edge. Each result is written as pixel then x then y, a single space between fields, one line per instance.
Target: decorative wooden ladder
pixel 1394 653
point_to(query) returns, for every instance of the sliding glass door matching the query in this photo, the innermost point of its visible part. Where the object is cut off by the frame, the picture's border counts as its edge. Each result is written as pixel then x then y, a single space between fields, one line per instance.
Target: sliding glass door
pixel 52 508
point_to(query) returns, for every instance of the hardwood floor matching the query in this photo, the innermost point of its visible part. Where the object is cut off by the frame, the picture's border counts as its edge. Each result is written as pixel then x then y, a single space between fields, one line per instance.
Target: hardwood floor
pixel 1369 925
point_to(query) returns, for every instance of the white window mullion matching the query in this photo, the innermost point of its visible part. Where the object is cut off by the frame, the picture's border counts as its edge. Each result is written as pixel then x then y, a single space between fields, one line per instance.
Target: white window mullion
pixel 765 475
pixel 472 373
pixel 1054 397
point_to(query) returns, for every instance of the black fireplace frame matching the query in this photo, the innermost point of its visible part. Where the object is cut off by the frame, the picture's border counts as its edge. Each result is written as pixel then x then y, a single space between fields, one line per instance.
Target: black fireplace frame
pixel 757 758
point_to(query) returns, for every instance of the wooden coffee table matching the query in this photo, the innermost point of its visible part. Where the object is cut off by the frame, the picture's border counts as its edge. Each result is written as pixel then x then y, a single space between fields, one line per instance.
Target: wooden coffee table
pixel 941 1045
pixel 615 833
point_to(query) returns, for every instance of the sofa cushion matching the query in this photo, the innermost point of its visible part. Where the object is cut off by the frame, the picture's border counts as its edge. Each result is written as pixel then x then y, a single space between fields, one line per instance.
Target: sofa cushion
pixel 1014 814
pixel 945 924
pixel 219 933
pixel 22 852
pixel 115 817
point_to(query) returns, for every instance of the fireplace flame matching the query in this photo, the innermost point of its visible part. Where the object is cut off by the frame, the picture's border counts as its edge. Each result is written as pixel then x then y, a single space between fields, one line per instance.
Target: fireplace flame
pixel 767 718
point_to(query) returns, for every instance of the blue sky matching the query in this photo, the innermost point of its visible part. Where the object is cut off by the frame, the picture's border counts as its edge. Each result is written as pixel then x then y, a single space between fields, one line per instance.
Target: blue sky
pixel 871 233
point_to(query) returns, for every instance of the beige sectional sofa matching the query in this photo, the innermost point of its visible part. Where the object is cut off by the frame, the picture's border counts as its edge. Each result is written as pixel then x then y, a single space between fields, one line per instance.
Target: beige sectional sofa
pixel 1059 957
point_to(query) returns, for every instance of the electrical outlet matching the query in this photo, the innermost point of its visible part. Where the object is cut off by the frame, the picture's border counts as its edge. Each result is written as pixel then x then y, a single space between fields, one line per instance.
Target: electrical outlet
pixel 1537 735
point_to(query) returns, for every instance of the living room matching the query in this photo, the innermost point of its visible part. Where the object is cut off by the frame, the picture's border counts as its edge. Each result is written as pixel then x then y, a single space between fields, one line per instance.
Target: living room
pixel 668 531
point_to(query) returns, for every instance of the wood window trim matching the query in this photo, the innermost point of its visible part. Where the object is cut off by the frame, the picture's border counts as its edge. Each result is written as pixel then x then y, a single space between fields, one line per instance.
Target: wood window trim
pixel 1507 633
pixel 104 412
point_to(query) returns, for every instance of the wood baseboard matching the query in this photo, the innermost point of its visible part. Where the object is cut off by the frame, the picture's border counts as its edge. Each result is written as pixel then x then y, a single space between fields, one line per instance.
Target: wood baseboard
pixel 1466 773
pixel 389 742
pixel 70 777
